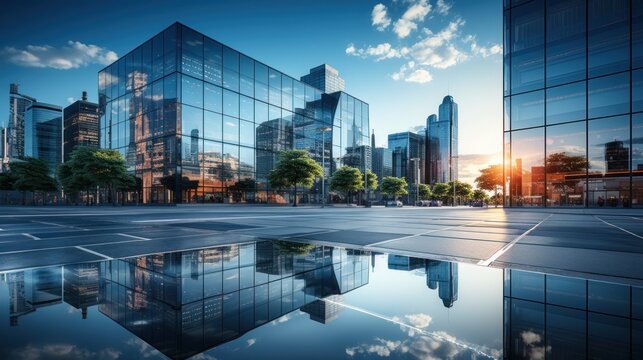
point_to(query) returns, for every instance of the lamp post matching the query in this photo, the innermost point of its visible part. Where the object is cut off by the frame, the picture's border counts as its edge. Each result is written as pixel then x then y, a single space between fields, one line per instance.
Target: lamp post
pixel 324 130
pixel 417 179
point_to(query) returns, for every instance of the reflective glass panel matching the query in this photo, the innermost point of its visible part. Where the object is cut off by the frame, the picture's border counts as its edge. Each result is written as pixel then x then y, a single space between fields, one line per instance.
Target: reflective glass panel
pixel 609 95
pixel 246 110
pixel 528 168
pixel 566 103
pixel 213 98
pixel 527 285
pixel 637 160
pixel 246 133
pixel 565 41
pixel 212 62
pixel 637 33
pixel 566 164
pixel 609 36
pixel 527 47
pixel 637 90
pixel 608 337
pixel 212 126
pixel 191 121
pixel 567 291
pixel 192 53
pixel 230 79
pixel 230 103
pixel 527 329
pixel 192 91
pixel 230 130
pixel 230 59
pixel 566 333
pixel 608 298
pixel 527 110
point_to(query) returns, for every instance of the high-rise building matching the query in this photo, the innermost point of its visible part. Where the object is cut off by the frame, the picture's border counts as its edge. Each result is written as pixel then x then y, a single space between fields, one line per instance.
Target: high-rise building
pixel 18 104
pixel 154 98
pixel 80 125
pixel 573 90
pixel 43 134
pixel 442 143
pixel 325 78
pixel 409 159
pixel 443 275
pixel 382 163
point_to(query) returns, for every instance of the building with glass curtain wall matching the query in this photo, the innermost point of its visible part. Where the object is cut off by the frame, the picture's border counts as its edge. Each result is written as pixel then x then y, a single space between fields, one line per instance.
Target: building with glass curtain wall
pixel 43 131
pixel 442 143
pixel 80 126
pixel 200 122
pixel 573 102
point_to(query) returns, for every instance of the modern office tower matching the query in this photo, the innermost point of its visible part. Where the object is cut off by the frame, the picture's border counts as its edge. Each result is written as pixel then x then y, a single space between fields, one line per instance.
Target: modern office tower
pixel 43 134
pixel 573 97
pixel 18 104
pixel 244 112
pixel 81 283
pixel 408 156
pixel 405 263
pixel 326 310
pixel 442 143
pixel 358 157
pixel 80 125
pixel 325 78
pixel 443 275
pixel 33 289
pixel 382 163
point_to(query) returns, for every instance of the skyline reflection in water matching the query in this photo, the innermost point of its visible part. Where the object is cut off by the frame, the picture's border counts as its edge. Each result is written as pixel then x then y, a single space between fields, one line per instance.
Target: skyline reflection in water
pixel 290 300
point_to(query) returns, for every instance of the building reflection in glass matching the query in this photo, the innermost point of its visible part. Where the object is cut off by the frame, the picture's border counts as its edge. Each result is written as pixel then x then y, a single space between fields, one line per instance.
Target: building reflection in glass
pixel 81 285
pixel 33 289
pixel 441 275
pixel 557 317
pixel 184 303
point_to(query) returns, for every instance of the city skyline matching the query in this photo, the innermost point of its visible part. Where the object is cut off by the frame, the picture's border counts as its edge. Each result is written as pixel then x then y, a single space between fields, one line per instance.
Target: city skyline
pixel 400 104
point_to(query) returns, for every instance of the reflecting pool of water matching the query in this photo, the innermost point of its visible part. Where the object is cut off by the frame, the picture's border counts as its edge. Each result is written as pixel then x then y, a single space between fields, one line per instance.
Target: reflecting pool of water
pixel 277 299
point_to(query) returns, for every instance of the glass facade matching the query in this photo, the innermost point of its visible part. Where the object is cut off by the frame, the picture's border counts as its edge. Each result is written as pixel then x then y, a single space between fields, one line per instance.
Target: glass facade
pixel 200 122
pixel 324 77
pixel 80 126
pixel 573 93
pixel 43 134
pixel 442 143
pixel 18 104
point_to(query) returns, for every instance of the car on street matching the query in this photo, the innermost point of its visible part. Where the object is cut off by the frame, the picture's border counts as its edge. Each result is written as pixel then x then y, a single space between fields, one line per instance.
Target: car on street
pixel 394 203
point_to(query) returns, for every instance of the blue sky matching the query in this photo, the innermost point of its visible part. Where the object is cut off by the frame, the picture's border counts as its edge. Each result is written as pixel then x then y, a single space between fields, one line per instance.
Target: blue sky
pixel 400 56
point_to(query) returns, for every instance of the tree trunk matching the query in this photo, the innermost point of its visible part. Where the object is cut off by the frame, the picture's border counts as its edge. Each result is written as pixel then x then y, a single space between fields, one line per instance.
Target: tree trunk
pixel 294 203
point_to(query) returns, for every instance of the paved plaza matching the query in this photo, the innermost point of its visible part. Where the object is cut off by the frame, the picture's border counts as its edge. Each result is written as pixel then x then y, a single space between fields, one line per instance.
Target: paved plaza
pixel 600 243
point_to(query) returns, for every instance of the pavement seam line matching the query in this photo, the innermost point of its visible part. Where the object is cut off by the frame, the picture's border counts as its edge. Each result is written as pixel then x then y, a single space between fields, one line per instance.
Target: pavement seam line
pixel 505 248
pixel 94 252
pixel 424 233
pixel 618 227
pixel 31 236
pixel 219 218
pixel 133 236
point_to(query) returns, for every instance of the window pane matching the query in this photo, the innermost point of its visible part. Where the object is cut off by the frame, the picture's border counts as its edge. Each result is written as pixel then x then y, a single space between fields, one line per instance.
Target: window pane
pixel 566 333
pixel 527 334
pixel 213 62
pixel 274 79
pixel 169 87
pixel 507 113
pixel 609 95
pixel 528 168
pixel 608 149
pixel 527 285
pixel 213 98
pixel 246 133
pixel 246 111
pixel 261 73
pixel 527 110
pixel 637 33
pixel 191 121
pixel 565 41
pixel 261 91
pixel 230 59
pixel 230 130
pixel 637 159
pixel 637 90
pixel 230 103
pixel 566 164
pixel 506 53
pixel 609 36
pixel 567 291
pixel 192 91
pixel 169 47
pixel 608 337
pixel 213 126
pixel 192 53
pixel 247 66
pixel 261 112
pixel 527 50
pixel 157 57
pixel 608 298
pixel 246 86
pixel 230 79
pixel 566 103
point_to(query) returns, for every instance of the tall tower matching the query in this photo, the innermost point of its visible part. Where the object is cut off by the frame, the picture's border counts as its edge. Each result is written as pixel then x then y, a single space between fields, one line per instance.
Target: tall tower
pixel 18 104
pixel 442 142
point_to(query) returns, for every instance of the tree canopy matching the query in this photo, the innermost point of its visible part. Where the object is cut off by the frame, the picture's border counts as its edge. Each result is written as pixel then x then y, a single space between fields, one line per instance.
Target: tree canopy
pixel 294 167
pixel 424 191
pixel 490 177
pixel 372 180
pixel 440 191
pixel 394 186
pixel 347 180
pixel 32 175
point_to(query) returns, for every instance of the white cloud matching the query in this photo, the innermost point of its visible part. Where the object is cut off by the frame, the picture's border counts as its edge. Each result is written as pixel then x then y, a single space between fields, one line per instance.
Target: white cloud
pixel 482 51
pixel 380 18
pixel 250 342
pixel 71 100
pixel 411 17
pixel 74 55
pixel 419 320
pixel 419 76
pixel 379 52
pixel 443 7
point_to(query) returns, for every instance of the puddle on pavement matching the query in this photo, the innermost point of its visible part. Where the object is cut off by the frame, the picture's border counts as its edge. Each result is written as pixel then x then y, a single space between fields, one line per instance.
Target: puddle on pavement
pixel 291 300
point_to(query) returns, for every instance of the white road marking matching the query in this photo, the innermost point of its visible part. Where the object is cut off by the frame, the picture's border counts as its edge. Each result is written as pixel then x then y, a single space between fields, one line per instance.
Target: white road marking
pixel 133 236
pixel 511 244
pixel 31 236
pixel 425 233
pixel 94 252
pixel 422 331
pixel 620 228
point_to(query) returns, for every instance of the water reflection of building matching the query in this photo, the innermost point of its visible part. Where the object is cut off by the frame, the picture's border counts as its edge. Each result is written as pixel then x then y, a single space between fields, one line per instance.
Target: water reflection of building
pixel 81 286
pixel 325 310
pixel 33 289
pixel 443 275
pixel 184 303
pixel 551 317
pixel 405 263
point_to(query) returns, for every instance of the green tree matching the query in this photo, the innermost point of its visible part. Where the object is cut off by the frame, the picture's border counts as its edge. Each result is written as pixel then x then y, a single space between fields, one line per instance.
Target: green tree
pixel 74 175
pixel 491 179
pixel 440 192
pixel 424 192
pixel 295 167
pixel 7 180
pixel 372 180
pixel 347 180
pixel 462 190
pixel 394 186
pixel 479 195
pixel 107 167
pixel 32 175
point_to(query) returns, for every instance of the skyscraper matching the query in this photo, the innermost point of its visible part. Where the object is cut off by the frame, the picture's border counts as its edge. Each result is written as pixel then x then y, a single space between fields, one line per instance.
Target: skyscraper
pixel 442 143
pixel 18 104
pixel 43 134
pixel 382 163
pixel 182 93
pixel 573 103
pixel 80 125
pixel 405 147
pixel 324 77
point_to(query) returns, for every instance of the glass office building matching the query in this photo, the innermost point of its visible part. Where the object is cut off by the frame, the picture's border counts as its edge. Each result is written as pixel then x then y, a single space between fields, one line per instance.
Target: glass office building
pixel 18 104
pixel 80 126
pixel 200 122
pixel 324 77
pixel 43 131
pixel 442 143
pixel 573 97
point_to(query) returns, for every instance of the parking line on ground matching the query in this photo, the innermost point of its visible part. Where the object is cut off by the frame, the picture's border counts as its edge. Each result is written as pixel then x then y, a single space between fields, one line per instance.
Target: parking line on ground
pixel 505 248
pixel 620 228
pixel 133 236
pixel 94 252
pixel 31 236
pixel 425 233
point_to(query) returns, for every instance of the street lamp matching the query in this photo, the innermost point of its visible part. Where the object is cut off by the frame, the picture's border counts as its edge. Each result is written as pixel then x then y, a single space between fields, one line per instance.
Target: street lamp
pixel 417 180
pixel 324 130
